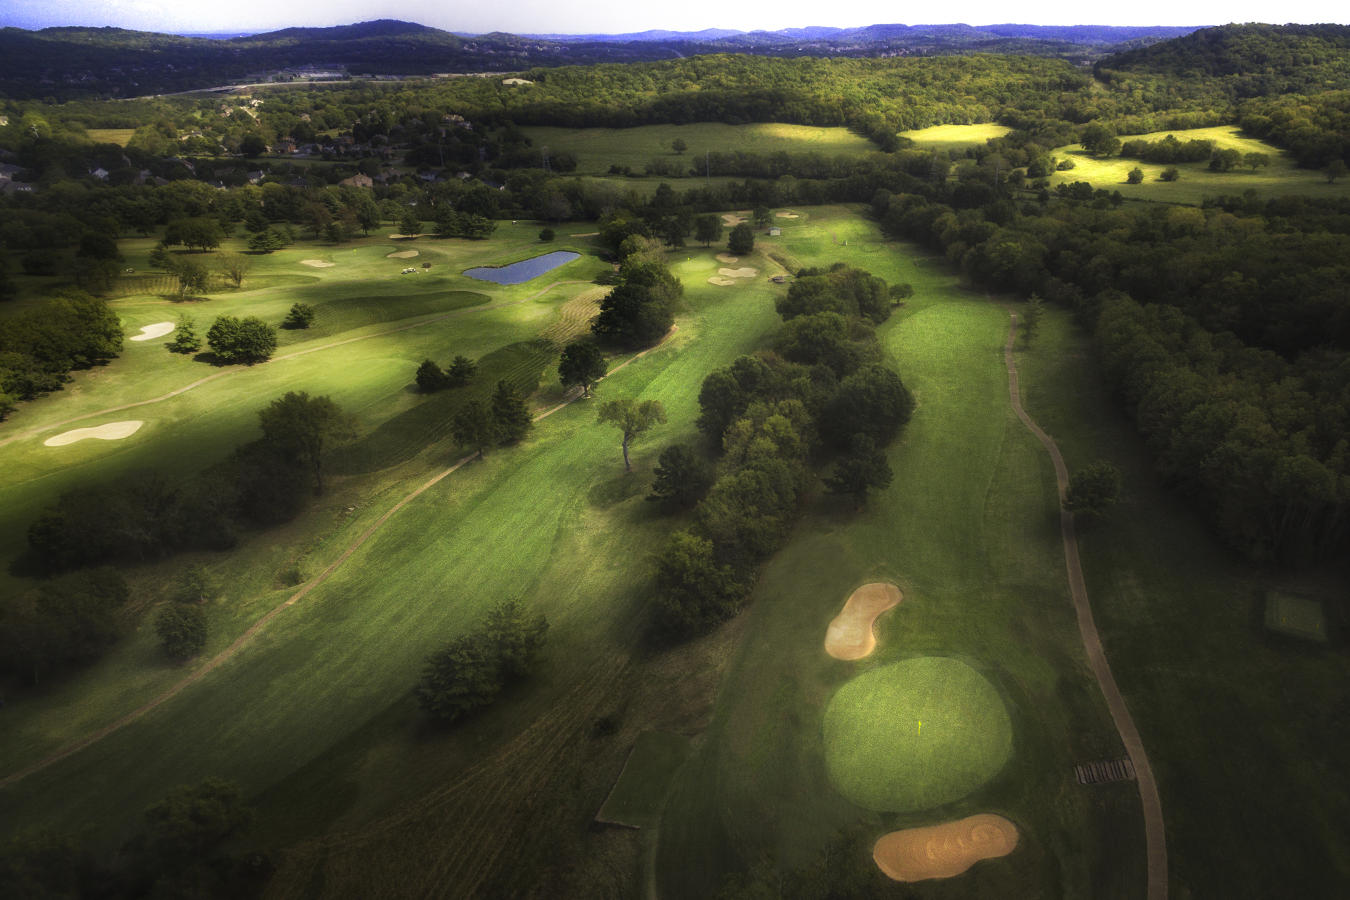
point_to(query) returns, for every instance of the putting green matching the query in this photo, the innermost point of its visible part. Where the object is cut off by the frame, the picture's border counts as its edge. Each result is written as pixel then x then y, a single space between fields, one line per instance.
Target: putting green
pixel 916 734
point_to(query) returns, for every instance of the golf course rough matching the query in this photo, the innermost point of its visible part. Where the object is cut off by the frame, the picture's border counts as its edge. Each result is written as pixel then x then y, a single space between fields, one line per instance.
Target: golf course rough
pixel 915 734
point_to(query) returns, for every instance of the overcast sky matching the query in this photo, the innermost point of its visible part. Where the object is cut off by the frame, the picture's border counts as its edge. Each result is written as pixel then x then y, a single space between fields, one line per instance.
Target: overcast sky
pixel 581 16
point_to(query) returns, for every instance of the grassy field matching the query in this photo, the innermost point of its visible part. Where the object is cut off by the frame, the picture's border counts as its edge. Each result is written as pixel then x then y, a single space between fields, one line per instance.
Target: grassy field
pixel 915 735
pixel 118 136
pixel 596 149
pixel 640 792
pixel 968 530
pixel 954 137
pixel 554 521
pixel 1245 728
pixel 1280 178
pixel 314 716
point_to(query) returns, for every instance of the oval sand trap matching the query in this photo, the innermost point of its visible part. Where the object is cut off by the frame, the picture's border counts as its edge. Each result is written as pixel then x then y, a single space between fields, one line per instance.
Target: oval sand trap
pixel 720 281
pixel 942 851
pixel 159 329
pixel 787 215
pixel 743 272
pixel 728 259
pixel 113 431
pixel 402 254
pixel 316 263
pixel 850 634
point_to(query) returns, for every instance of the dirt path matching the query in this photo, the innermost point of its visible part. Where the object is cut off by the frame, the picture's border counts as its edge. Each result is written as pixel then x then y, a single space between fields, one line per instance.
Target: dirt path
pixel 239 642
pixel 1154 835
pixel 235 370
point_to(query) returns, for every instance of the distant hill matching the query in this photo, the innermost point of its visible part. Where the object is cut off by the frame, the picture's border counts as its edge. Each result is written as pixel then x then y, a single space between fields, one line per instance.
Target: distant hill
pixel 65 63
pixel 1247 60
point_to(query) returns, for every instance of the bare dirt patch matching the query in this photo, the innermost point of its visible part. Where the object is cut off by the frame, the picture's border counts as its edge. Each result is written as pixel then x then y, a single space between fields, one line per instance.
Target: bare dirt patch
pixel 316 263
pixel 148 332
pixel 516 81
pixel 946 850
pixel 585 234
pixel 743 272
pixel 728 259
pixel 786 215
pixel 403 254
pixel 849 635
pixel 732 219
pixel 720 281
pixel 113 431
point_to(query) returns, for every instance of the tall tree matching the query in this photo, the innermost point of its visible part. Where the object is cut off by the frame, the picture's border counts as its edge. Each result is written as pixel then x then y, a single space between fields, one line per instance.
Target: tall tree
pixel 581 363
pixel 742 239
pixel 510 413
pixel 707 229
pixel 864 467
pixel 473 427
pixel 682 476
pixel 632 418
pixel 300 427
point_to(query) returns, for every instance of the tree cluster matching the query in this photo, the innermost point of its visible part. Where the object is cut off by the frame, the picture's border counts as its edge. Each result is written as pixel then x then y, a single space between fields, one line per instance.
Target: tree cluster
pixel 641 308
pixel 471 671
pixel 431 377
pixel 822 395
pixel 40 346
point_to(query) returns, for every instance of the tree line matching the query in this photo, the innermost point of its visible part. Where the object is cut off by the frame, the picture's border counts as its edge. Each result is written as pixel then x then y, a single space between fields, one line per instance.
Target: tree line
pixel 820 394
pixel 1224 330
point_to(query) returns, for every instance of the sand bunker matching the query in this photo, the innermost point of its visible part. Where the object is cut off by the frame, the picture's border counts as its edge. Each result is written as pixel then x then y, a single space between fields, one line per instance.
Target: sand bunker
pixel 719 280
pixel 728 259
pixel 850 634
pixel 585 234
pixel 516 81
pixel 159 329
pixel 402 254
pixel 732 219
pixel 942 851
pixel 743 272
pixel 316 263
pixel 113 431
pixel 787 215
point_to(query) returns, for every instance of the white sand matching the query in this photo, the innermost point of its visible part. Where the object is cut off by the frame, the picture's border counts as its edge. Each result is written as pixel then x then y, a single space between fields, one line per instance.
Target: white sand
pixel 787 215
pixel 113 431
pixel 316 263
pixel 728 258
pixel 720 281
pixel 159 329
pixel 516 81
pixel 402 254
pixel 743 272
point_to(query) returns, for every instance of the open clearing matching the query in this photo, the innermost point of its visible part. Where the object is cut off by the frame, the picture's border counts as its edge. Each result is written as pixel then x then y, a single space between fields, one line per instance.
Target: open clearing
pixel 596 149
pixel 149 332
pixel 849 635
pixel 953 137
pixel 1280 178
pixel 946 850
pixel 113 431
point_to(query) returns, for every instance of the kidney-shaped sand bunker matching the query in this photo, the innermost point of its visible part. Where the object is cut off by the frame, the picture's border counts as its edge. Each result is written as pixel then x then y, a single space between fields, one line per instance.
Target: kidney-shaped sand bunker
pixel 945 850
pixel 915 734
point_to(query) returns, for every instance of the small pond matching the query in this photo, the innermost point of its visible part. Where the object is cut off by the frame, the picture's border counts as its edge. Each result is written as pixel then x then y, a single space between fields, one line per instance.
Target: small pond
pixel 523 271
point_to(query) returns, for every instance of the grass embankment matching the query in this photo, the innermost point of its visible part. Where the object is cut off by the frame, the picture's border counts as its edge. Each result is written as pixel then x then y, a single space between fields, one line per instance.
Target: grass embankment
pixel 969 532
pixel 596 149
pixel 1282 177
pixel 1245 728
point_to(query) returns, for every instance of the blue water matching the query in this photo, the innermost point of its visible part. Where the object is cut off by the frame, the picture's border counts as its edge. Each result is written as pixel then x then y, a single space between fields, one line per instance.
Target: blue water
pixel 523 271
